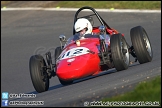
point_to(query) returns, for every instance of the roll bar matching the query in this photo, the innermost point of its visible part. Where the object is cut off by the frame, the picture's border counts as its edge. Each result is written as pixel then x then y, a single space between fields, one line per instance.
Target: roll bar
pixel 95 13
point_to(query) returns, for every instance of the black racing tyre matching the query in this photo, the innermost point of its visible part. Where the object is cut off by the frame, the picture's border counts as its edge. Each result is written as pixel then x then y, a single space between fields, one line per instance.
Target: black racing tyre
pixel 119 52
pixel 65 82
pixel 38 75
pixel 141 44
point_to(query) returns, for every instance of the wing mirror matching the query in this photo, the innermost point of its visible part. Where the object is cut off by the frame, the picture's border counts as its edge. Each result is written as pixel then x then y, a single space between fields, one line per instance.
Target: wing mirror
pixel 62 38
pixel 102 32
pixel 102 29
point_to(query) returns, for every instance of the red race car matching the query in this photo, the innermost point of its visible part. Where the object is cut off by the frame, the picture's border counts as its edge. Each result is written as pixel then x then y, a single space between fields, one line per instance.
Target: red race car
pixel 91 55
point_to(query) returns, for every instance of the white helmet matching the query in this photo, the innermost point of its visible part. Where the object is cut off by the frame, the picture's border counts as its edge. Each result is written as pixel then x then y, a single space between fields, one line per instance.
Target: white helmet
pixel 82 23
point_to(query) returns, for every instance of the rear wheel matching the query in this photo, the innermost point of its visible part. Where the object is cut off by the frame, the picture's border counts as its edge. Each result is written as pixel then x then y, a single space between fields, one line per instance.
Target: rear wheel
pixel 119 52
pixel 38 74
pixel 58 51
pixel 141 44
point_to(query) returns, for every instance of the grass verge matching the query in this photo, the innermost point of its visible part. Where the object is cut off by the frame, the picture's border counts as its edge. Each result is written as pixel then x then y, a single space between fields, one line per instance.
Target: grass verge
pixel 113 4
pixel 99 4
pixel 148 92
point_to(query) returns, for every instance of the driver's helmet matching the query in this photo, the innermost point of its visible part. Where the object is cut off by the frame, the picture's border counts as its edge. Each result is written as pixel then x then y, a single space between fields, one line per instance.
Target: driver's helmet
pixel 81 24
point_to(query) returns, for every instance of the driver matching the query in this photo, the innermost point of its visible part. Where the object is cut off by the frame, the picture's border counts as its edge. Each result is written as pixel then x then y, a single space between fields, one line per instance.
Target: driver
pixel 83 26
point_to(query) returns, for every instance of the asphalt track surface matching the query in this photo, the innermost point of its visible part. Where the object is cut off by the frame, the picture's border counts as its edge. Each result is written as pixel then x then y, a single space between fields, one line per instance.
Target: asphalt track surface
pixel 26 33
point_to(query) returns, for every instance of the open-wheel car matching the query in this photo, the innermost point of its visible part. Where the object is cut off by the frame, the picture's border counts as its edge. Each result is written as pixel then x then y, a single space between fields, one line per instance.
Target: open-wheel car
pixel 90 55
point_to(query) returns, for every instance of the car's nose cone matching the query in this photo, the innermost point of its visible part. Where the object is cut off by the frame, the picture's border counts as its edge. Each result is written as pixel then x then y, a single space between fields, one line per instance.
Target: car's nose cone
pixel 82 66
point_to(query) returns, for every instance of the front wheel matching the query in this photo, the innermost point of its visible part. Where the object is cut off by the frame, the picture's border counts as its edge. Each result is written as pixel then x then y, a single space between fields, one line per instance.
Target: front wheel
pixel 141 44
pixel 119 52
pixel 38 74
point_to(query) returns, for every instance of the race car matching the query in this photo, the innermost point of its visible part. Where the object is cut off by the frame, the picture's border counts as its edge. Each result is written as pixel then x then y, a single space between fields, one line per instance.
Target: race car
pixel 91 55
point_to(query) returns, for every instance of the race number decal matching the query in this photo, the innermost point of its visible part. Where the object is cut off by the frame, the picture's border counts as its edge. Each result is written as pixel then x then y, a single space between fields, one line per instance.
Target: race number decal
pixel 74 52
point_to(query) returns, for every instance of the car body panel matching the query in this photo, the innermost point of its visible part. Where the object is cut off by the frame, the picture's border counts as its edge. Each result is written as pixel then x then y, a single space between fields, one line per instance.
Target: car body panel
pixel 79 61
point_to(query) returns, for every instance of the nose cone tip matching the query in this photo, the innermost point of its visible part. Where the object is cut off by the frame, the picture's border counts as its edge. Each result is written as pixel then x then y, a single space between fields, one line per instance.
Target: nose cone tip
pixel 66 74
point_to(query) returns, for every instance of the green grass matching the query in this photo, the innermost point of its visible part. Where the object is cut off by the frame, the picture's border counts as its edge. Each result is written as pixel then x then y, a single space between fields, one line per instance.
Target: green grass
pixel 100 4
pixel 146 91
pixel 113 4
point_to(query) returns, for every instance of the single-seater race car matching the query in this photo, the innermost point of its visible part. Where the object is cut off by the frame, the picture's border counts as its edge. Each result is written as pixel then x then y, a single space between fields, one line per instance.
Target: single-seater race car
pixel 82 57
